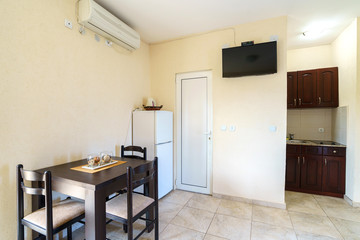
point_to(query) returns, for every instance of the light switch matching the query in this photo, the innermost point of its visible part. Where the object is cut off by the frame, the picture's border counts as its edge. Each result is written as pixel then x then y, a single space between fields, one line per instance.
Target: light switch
pixel 223 128
pixel 272 128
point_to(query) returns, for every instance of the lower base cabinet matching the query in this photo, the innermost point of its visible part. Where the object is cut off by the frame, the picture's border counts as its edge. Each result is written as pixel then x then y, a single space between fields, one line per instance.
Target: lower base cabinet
pixel 314 169
pixel 311 172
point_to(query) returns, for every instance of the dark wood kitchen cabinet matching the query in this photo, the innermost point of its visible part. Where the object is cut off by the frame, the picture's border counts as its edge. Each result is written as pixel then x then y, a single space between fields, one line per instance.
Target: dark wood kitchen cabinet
pixel 315 169
pixel 293 153
pixel 327 89
pixel 292 92
pixel 311 172
pixel 307 88
pixel 334 170
pixel 313 88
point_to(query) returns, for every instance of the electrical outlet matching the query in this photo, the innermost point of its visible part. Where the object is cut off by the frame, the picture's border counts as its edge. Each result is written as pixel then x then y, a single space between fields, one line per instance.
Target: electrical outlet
pixel 321 130
pixel 68 24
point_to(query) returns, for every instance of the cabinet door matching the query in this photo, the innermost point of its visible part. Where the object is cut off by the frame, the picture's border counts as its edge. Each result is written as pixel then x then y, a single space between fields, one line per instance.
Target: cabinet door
pixel 307 88
pixel 327 87
pixel 292 89
pixel 334 174
pixel 311 171
pixel 292 175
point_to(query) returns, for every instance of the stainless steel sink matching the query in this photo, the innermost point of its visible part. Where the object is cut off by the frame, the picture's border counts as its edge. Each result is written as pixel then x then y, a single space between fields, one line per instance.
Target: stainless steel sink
pixel 297 141
pixel 326 142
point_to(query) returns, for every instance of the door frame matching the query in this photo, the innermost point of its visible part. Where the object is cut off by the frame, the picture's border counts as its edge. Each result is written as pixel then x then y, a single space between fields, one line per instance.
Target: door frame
pixel 192 75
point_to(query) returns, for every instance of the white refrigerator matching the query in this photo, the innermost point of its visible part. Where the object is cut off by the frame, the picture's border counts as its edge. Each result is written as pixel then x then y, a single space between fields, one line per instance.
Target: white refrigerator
pixel 154 130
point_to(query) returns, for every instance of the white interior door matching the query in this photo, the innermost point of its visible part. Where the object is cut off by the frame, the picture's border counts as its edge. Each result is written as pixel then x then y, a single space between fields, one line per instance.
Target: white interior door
pixel 194 127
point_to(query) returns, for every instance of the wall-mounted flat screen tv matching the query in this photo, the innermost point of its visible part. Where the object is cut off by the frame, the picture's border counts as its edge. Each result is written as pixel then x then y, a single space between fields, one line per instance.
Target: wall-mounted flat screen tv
pixel 257 59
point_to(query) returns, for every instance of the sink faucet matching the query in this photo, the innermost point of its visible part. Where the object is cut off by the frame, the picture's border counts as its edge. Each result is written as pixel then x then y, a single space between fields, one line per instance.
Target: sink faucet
pixel 291 136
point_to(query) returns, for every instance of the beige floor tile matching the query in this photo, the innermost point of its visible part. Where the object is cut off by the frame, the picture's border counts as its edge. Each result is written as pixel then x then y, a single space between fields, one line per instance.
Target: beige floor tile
pixel 178 197
pixel 304 204
pixel 230 227
pixel 168 210
pixel 204 202
pixel 211 237
pixel 261 231
pixel 114 231
pixel 272 216
pixel 325 201
pixel 173 232
pixel 309 236
pixel 314 224
pixel 348 229
pixel 195 219
pixel 235 209
pixel 352 214
pixel 289 195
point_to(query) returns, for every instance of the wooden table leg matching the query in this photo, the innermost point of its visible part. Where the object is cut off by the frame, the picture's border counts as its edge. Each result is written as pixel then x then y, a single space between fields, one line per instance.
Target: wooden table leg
pixel 95 215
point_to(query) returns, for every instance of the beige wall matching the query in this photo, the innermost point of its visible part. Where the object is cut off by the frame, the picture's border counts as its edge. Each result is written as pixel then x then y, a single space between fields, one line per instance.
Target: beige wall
pixel 309 58
pixel 345 54
pixel 339 124
pixel 357 143
pixel 62 95
pixel 305 123
pixel 250 162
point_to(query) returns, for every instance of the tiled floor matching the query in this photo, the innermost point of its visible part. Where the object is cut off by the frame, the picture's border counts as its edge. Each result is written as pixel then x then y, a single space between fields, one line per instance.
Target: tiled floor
pixel 191 216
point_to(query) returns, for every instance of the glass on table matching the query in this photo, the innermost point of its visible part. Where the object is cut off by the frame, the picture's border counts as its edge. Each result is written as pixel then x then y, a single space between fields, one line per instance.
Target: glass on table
pixel 105 157
pixel 93 160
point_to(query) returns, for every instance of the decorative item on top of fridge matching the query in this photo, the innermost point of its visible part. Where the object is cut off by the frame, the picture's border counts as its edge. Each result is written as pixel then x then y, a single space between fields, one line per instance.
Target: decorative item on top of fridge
pixel 151 105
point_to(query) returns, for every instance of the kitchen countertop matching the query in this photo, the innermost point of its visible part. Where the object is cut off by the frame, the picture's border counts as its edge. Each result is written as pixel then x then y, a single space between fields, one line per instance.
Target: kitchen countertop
pixel 318 143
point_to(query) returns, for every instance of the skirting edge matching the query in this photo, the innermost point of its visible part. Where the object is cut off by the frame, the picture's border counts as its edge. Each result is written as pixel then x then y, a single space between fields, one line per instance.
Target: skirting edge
pixel 351 202
pixel 251 201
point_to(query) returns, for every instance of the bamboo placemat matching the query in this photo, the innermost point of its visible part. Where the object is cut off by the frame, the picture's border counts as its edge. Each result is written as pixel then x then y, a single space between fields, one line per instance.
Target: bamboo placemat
pixel 79 168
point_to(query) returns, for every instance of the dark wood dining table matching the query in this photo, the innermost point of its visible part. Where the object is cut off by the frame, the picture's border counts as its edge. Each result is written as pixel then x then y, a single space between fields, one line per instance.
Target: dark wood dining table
pixel 93 188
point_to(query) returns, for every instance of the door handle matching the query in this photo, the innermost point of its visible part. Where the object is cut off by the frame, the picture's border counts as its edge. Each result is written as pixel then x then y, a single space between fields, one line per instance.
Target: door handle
pixel 299 101
pixel 303 160
pixel 319 100
pixel 325 162
pixel 298 160
pixel 294 101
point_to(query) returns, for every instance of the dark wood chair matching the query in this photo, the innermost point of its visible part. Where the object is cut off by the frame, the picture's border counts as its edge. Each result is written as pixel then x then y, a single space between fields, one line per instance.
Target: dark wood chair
pixel 127 208
pixel 136 152
pixel 133 150
pixel 51 219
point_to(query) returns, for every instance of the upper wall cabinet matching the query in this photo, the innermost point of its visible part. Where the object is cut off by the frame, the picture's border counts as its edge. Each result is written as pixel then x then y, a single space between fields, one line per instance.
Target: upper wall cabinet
pixel 313 88
pixel 327 87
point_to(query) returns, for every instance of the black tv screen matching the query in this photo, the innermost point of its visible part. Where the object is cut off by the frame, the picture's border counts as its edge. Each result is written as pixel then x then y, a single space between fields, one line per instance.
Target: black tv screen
pixel 257 59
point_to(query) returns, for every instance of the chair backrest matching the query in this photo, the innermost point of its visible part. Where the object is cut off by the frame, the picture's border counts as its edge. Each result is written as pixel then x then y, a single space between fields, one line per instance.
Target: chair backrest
pixel 37 184
pixel 133 149
pixel 142 175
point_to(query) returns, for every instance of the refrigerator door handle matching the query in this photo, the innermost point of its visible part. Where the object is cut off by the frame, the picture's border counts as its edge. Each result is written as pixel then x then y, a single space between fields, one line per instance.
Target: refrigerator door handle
pixel 163 143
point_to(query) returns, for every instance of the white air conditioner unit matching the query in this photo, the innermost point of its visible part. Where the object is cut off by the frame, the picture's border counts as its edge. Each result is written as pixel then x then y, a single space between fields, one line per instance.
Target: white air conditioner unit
pixel 99 20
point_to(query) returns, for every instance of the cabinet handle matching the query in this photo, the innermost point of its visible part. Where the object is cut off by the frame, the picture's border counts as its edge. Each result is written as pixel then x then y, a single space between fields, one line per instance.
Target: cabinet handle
pixel 303 160
pixel 319 100
pixel 298 160
pixel 325 162
pixel 294 101
pixel 334 151
pixel 299 101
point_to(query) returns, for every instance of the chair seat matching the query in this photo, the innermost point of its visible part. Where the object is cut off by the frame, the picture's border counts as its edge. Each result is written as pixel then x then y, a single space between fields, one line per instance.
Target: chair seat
pixel 118 205
pixel 63 212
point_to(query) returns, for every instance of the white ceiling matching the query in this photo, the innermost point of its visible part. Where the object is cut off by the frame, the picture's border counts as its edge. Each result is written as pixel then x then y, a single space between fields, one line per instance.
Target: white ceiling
pixel 161 20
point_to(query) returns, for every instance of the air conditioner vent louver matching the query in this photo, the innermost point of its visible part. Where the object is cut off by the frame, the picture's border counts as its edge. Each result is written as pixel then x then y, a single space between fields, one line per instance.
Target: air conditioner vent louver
pixel 99 20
